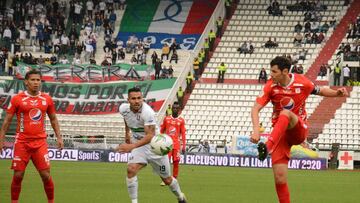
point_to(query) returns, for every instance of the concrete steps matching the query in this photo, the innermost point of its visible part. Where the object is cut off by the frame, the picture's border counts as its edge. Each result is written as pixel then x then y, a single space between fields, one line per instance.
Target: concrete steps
pixel 323 113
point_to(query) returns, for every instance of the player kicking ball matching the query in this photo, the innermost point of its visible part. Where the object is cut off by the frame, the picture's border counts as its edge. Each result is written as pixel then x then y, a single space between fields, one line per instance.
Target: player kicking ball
pixel 288 93
pixel 140 120
pixel 31 107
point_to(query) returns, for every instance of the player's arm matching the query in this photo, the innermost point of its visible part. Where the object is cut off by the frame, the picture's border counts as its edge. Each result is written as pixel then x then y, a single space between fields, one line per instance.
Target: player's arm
pixel 255 110
pixel 183 136
pixel 149 134
pixel 55 125
pixel 4 128
pixel 163 126
pixel 260 102
pixel 127 133
pixel 328 92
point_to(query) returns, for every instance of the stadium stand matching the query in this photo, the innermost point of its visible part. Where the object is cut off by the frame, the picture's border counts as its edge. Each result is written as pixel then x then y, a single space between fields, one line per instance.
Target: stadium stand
pixel 344 128
pixel 222 111
pixel 252 22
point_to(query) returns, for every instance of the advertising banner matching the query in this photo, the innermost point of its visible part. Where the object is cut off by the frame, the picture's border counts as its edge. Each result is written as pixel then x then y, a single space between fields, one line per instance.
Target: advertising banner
pixel 244 147
pixel 98 98
pixel 189 159
pixel 88 72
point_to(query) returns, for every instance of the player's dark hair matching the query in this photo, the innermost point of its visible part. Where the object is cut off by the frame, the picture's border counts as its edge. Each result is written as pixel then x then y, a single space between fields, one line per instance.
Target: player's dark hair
pixel 281 62
pixel 32 72
pixel 134 89
pixel 176 103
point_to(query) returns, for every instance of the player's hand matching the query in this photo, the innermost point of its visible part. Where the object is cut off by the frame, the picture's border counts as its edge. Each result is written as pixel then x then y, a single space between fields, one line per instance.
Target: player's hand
pixel 255 137
pixel 127 140
pixel 342 92
pixel 123 148
pixel 60 143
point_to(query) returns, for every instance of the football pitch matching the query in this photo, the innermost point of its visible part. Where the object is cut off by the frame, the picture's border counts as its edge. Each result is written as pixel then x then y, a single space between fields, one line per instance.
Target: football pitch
pixel 90 182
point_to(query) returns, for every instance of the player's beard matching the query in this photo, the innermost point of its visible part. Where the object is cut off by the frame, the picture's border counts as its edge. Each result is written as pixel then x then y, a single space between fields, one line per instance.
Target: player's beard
pixel 136 108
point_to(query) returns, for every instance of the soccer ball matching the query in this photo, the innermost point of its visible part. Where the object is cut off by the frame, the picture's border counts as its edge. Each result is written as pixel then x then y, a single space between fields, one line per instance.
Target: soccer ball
pixel 161 144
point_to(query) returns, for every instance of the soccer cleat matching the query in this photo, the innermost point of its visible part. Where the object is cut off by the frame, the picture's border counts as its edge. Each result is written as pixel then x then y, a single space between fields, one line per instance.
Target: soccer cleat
pixel 263 153
pixel 183 199
pixel 162 184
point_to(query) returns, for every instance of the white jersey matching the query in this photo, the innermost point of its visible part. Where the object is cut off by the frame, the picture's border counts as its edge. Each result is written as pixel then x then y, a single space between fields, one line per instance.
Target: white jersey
pixel 137 121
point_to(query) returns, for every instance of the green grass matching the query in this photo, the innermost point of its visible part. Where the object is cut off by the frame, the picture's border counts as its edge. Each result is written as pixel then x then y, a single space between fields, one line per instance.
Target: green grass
pixel 86 182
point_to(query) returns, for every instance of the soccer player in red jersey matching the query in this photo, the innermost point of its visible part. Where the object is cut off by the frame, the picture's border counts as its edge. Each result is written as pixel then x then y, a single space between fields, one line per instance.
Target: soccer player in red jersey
pixel 174 126
pixel 288 93
pixel 31 107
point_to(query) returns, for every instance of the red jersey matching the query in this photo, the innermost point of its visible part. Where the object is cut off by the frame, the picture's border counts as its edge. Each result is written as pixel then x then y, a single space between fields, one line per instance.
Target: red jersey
pixel 174 127
pixel 292 97
pixel 31 113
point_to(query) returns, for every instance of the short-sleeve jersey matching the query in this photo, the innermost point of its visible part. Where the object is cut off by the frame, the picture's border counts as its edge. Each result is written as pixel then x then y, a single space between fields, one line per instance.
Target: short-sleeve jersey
pixel 137 121
pixel 292 97
pixel 31 114
pixel 174 127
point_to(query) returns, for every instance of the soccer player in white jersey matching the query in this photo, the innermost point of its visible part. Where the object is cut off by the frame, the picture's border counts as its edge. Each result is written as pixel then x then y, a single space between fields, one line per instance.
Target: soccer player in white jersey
pixel 140 121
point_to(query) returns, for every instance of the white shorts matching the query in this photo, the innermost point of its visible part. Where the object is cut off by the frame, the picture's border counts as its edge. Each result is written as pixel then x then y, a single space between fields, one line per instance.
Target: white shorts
pixel 143 155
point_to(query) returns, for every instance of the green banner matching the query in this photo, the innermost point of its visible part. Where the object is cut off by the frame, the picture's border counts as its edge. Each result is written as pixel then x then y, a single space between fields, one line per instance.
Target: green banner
pixel 98 98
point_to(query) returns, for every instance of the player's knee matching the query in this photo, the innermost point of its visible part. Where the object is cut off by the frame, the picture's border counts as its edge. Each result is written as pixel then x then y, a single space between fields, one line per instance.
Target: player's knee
pixel 167 180
pixel 45 175
pixel 19 175
pixel 131 171
pixel 280 177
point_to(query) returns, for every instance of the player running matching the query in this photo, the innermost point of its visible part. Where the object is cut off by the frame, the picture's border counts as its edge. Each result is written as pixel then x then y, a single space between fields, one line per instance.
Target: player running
pixel 288 93
pixel 140 120
pixel 174 126
pixel 31 107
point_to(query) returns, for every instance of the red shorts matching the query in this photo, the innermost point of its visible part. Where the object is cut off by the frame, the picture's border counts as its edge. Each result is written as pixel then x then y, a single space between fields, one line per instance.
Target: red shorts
pixel 175 154
pixel 294 136
pixel 36 150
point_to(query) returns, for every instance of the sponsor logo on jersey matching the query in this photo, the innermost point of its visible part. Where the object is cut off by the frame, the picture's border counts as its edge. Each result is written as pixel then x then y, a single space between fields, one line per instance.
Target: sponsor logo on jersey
pixel 35 114
pixel 34 103
pixel 297 90
pixel 287 103
pixel 43 103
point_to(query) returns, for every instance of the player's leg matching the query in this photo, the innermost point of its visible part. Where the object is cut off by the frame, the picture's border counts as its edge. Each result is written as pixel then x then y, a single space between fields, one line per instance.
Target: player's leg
pixel 137 160
pixel 175 188
pixel 48 184
pixel 171 156
pixel 19 163
pixel 281 155
pixel 280 158
pixel 287 120
pixel 280 175
pixel 161 166
pixel 16 185
pixel 176 161
pixel 132 181
pixel 41 161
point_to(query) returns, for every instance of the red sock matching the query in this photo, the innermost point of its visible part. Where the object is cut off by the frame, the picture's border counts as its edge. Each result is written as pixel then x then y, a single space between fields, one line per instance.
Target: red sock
pixel 278 131
pixel 49 190
pixel 15 189
pixel 175 169
pixel 283 193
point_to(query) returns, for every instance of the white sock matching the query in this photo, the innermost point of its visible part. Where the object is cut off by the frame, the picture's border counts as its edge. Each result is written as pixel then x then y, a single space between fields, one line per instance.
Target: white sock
pixel 175 188
pixel 132 185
